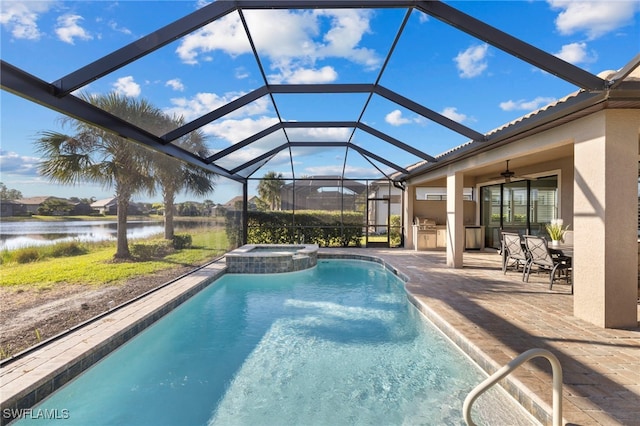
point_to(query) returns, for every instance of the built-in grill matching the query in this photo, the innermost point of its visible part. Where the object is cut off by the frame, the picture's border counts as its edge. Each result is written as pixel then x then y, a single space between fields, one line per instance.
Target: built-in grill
pixel 425 233
pixel 426 224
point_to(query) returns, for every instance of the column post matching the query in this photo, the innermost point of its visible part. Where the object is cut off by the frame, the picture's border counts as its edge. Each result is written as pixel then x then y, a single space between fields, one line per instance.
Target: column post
pixel 605 219
pixel 455 219
pixel 409 202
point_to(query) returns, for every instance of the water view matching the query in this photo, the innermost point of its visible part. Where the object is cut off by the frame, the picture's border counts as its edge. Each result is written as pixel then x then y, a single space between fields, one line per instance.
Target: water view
pixel 15 235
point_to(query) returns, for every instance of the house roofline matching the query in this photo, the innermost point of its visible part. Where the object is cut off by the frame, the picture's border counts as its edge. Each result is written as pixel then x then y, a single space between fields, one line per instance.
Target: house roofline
pixel 571 108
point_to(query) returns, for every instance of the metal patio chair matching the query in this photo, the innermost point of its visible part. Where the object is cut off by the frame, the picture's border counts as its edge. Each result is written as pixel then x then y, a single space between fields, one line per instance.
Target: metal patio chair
pixel 540 256
pixel 513 253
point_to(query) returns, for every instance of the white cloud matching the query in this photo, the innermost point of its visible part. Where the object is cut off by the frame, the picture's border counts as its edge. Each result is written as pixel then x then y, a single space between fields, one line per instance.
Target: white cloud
pixel 596 18
pixel 305 76
pixel 203 103
pixel 21 18
pixel 175 84
pixel 127 87
pixel 115 27
pixel 290 42
pixel 472 62
pixel 576 53
pixel 227 34
pixel 241 73
pixel 235 126
pixel 395 118
pixel 525 105
pixel 238 130
pixel 12 163
pixel 342 40
pixel 68 29
pixel 333 170
pixel 453 114
pixel 339 134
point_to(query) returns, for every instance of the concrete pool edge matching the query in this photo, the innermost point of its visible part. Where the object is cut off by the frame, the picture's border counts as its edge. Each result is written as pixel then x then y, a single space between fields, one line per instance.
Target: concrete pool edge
pixel 42 384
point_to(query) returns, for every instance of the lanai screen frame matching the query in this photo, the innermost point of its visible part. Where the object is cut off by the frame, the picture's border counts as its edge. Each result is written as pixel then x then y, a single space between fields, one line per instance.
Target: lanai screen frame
pixel 291 206
pixel 57 95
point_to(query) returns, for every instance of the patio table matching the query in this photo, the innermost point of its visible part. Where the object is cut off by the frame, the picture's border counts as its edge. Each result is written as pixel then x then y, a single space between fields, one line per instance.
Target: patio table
pixel 562 250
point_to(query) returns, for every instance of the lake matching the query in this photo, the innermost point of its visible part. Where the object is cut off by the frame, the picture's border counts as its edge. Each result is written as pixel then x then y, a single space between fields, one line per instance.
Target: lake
pixel 14 235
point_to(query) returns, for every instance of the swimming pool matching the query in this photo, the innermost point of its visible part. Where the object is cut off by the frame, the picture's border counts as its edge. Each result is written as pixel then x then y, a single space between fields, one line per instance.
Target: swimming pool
pixel 286 349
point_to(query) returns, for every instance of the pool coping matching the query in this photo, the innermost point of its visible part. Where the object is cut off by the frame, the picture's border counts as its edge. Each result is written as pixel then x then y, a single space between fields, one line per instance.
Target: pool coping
pixel 28 380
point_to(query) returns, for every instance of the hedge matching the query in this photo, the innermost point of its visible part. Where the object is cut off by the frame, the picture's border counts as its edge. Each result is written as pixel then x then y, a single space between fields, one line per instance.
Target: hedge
pixel 325 228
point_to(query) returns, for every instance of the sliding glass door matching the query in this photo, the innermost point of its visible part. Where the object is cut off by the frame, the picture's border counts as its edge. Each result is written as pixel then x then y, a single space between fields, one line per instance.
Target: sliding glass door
pixel 524 206
pixel 544 204
pixel 490 216
pixel 514 206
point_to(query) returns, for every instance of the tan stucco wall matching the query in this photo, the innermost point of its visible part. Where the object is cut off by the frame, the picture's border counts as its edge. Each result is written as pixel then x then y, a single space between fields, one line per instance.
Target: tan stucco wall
pixel 437 210
pixel 605 216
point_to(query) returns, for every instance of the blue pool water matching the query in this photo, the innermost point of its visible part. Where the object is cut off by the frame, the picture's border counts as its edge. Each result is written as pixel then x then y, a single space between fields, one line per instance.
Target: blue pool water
pixel 338 344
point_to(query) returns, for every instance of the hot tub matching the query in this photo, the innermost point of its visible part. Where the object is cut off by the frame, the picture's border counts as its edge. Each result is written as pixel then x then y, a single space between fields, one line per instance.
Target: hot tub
pixel 271 258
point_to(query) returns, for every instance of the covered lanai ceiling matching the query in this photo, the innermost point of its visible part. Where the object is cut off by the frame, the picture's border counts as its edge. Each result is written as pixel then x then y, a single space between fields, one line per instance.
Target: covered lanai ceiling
pixel 304 117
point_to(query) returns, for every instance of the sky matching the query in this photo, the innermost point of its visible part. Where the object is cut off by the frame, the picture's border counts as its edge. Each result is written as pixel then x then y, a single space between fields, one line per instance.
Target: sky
pixel 448 71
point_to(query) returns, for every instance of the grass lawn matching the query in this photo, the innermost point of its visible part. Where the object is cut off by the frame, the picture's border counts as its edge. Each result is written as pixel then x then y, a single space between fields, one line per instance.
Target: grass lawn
pixel 96 267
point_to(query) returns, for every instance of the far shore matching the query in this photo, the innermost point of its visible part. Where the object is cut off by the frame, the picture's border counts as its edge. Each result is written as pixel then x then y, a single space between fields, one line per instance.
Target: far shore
pixel 40 218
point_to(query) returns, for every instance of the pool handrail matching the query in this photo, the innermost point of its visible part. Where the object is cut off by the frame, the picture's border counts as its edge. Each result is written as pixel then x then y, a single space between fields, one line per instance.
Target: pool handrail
pixel 556 369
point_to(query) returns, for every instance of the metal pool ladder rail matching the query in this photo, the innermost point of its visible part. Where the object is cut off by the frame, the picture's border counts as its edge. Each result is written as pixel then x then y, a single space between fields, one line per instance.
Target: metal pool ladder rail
pixel 507 369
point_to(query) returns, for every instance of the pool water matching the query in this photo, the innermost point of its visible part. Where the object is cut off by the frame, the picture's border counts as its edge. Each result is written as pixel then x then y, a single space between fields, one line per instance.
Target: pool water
pixel 334 345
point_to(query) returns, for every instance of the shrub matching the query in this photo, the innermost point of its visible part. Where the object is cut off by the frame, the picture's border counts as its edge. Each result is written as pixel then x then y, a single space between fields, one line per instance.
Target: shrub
pixel 395 236
pixel 182 241
pixel 26 255
pixel 154 249
pixel 71 248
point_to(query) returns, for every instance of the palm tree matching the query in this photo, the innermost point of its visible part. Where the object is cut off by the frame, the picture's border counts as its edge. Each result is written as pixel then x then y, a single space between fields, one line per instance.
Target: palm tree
pixel 173 176
pixel 269 189
pixel 94 155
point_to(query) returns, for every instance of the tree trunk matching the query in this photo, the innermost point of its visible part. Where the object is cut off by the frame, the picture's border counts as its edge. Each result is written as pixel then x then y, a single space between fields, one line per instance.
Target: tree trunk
pixel 168 216
pixel 122 244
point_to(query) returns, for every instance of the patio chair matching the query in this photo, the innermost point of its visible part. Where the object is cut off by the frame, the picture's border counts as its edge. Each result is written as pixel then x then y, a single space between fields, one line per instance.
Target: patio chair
pixel 513 253
pixel 540 256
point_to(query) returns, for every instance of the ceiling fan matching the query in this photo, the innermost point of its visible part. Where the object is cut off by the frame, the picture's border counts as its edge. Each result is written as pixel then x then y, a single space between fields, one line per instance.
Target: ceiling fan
pixel 507 174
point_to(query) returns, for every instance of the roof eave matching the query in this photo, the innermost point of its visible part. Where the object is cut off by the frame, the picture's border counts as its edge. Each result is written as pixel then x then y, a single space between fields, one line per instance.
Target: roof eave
pixel 581 104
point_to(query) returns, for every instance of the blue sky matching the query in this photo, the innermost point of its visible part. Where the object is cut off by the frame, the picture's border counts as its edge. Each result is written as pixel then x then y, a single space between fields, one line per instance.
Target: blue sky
pixel 433 64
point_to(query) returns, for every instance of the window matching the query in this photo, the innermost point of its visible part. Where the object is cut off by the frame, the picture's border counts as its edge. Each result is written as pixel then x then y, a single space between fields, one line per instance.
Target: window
pixel 439 193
